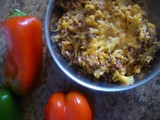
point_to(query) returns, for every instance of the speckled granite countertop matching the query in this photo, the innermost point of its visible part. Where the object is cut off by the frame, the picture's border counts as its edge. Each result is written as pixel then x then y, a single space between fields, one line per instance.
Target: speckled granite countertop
pixel 142 103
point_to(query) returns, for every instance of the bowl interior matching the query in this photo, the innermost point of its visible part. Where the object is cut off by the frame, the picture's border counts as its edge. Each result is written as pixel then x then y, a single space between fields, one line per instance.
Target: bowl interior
pixel 147 73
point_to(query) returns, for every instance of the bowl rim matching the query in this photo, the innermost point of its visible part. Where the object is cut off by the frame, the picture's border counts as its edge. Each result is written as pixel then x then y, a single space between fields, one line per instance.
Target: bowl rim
pixel 76 79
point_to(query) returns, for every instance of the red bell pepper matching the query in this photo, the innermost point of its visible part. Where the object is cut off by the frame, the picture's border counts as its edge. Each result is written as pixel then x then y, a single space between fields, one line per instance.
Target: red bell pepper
pixel 23 35
pixel 73 106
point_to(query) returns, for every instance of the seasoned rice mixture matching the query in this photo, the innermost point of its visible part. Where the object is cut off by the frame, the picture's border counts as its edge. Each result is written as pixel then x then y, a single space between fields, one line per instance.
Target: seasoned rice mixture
pixel 109 39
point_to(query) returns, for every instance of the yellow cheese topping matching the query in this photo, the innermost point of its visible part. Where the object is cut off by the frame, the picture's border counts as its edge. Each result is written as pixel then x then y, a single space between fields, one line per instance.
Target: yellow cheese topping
pixel 106 38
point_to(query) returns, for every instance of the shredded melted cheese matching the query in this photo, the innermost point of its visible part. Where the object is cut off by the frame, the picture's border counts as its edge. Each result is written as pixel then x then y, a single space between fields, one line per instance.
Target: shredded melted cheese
pixel 105 37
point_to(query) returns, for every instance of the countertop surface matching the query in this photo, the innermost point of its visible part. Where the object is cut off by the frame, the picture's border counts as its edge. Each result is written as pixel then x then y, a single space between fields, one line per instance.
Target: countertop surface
pixel 141 103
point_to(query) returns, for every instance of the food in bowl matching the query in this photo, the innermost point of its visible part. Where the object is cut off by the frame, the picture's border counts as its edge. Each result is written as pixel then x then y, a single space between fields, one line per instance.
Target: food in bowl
pixel 109 39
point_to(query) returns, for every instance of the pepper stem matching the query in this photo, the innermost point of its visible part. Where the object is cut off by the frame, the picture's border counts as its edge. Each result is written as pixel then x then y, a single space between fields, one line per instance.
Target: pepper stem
pixel 17 13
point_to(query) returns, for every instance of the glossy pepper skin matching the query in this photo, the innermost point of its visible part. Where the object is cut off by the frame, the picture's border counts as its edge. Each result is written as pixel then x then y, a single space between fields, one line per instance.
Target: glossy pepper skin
pixel 23 37
pixel 73 106
pixel 9 110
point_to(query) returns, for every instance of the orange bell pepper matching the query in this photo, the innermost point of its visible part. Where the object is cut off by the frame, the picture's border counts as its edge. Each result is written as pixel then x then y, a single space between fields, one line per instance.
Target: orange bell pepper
pixel 23 35
pixel 73 106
